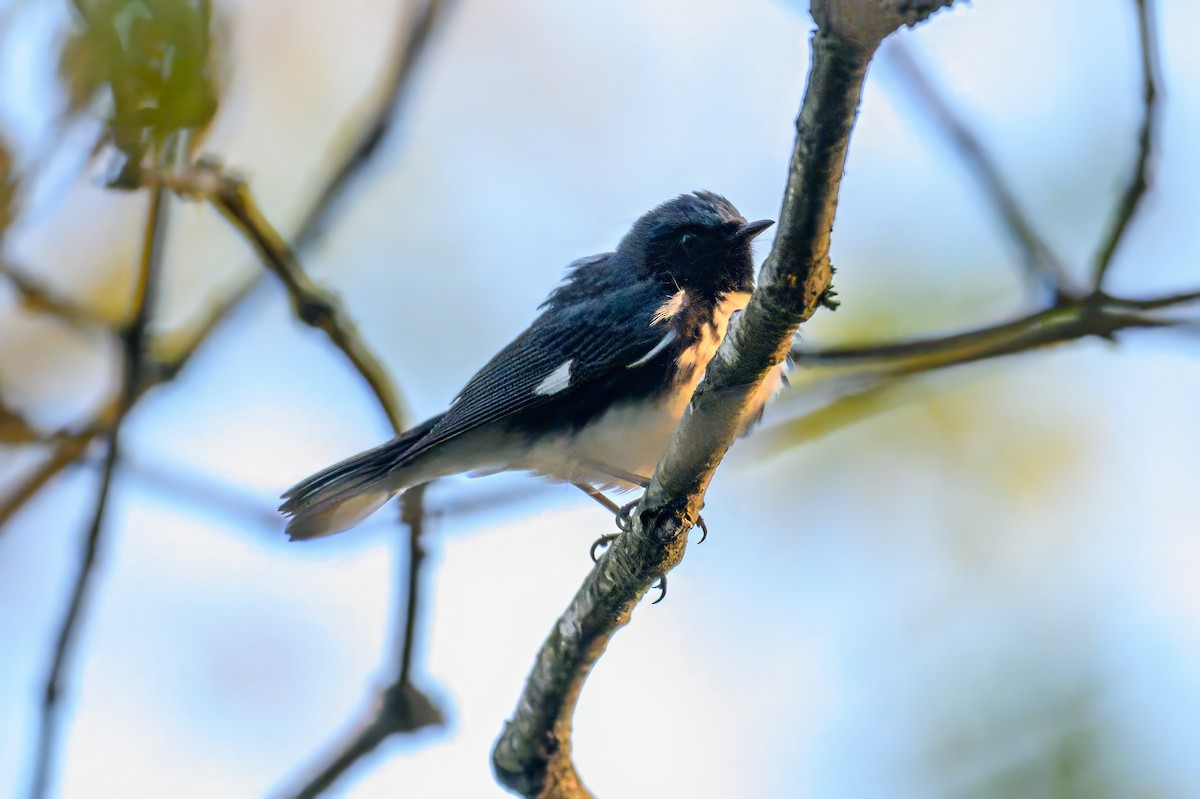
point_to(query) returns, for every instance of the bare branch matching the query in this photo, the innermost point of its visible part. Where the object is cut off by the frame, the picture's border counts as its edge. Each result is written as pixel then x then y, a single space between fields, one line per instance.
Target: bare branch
pixel 133 338
pixel 533 755
pixel 1040 261
pixel 69 449
pixel 856 393
pixel 312 305
pixel 65 452
pixel 15 429
pixel 171 364
pixel 416 32
pixel 1139 181
pixel 37 298
pixel 1155 303
pixel 401 708
pixel 1094 315
pixel 412 515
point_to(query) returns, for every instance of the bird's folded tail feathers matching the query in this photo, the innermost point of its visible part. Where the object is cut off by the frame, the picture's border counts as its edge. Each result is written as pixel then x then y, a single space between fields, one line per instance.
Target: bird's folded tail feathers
pixel 341 496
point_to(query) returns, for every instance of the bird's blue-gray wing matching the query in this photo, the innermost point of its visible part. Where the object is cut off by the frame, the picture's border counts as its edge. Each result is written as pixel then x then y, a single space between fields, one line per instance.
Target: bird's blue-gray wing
pixel 566 368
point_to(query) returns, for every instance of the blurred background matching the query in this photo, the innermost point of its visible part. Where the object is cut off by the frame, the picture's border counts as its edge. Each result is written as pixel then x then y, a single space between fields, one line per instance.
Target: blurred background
pixel 982 583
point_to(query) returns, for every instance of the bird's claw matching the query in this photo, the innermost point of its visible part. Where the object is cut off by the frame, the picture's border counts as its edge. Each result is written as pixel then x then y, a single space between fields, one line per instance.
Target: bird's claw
pixel 624 519
pixel 624 516
pixel 601 543
pixel 661 585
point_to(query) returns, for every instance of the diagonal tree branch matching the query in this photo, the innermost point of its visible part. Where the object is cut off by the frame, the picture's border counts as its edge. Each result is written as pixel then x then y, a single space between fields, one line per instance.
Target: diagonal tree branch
pixel 67 451
pixel 311 304
pixel 1139 181
pixel 533 755
pixel 133 339
pixel 403 707
pixel 416 32
pixel 38 298
pixel 1039 261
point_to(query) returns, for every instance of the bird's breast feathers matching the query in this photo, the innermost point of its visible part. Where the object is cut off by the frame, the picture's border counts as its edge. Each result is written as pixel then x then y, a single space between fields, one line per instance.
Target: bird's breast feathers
pixel 628 439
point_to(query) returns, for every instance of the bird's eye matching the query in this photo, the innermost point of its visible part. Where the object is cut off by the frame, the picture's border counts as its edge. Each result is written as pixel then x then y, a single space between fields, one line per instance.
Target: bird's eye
pixel 687 241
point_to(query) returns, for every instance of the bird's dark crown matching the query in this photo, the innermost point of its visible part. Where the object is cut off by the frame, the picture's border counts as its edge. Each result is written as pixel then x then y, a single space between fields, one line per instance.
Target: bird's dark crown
pixel 695 241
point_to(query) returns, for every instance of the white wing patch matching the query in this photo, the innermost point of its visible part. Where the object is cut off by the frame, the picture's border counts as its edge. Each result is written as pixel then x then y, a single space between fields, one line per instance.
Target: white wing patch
pixel 556 381
pixel 659 347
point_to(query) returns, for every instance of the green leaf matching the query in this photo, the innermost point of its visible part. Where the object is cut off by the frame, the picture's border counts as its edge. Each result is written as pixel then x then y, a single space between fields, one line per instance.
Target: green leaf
pixel 155 57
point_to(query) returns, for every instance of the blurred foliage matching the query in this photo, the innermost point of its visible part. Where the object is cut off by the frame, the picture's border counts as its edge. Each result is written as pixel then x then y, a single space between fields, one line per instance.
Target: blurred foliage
pixel 156 59
pixel 13 428
pixel 8 189
pixel 1032 739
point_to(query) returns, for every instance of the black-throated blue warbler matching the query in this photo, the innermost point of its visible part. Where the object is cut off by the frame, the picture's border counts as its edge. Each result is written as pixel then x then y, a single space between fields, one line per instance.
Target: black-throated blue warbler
pixel 593 390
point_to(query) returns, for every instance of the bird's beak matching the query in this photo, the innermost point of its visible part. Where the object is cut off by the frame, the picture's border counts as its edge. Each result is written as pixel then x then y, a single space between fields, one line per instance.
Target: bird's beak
pixel 752 229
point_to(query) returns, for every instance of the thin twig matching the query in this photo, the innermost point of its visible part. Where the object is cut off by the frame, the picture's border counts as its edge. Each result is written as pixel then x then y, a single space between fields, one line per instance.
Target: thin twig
pixel 354 163
pixel 133 338
pixel 412 515
pixel 311 304
pixel 1139 181
pixel 401 708
pixel 15 428
pixel 1155 303
pixel 1040 261
pixel 65 452
pixel 851 389
pixel 416 32
pixel 404 708
pixel 1095 315
pixel 68 448
pixel 891 351
pixel 38 298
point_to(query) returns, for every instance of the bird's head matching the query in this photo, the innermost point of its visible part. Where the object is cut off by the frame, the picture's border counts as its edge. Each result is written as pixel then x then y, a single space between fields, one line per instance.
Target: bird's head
pixel 697 242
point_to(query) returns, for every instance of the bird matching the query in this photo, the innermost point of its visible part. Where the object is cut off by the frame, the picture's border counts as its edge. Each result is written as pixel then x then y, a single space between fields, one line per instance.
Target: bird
pixel 591 392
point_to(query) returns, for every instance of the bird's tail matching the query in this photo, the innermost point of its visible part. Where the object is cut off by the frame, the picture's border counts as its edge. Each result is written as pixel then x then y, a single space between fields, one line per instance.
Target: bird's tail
pixel 337 498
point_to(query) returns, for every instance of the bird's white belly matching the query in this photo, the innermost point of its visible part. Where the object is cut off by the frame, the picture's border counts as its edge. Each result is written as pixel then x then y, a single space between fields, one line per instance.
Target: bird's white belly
pixel 626 440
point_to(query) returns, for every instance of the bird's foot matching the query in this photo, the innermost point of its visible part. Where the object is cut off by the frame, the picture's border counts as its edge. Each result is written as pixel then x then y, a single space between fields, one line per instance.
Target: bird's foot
pixel 624 516
pixel 661 585
pixel 601 543
pixel 624 519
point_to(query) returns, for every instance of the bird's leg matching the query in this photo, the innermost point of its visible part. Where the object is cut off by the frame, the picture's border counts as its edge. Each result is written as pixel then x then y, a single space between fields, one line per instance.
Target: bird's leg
pixel 624 516
pixel 604 540
pixel 595 494
pixel 601 543
pixel 624 513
